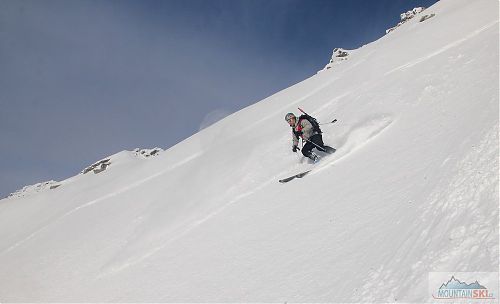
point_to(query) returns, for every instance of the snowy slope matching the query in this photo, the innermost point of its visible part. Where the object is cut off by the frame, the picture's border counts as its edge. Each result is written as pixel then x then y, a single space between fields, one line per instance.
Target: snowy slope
pixel 412 189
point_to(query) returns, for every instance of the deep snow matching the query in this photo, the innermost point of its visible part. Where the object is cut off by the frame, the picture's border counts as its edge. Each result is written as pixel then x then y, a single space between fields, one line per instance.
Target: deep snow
pixel 412 189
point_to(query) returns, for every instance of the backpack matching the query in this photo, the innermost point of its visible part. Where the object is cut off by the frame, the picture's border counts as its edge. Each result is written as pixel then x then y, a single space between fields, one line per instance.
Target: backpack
pixel 313 122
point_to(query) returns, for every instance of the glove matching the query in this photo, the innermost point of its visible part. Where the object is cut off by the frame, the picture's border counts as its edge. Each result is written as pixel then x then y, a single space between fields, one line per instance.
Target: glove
pixel 294 148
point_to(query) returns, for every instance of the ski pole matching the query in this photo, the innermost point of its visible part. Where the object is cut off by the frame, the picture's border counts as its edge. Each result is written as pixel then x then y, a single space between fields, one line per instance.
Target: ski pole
pixel 320 148
pixel 333 121
pixel 326 123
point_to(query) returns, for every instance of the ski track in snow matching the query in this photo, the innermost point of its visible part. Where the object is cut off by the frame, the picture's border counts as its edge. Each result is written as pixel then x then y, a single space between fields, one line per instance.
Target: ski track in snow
pixel 358 136
pixel 442 50
pixel 111 270
pixel 354 140
pixel 98 200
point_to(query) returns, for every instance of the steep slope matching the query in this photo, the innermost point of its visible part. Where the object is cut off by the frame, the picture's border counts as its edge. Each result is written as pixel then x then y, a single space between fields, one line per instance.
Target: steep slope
pixel 412 189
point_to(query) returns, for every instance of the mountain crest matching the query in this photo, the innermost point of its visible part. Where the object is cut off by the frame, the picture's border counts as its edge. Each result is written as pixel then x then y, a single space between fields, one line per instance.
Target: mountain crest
pixel 338 56
pixel 405 17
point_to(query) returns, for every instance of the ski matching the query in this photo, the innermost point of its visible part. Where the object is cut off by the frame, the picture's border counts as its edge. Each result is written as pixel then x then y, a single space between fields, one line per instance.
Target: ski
pixel 300 175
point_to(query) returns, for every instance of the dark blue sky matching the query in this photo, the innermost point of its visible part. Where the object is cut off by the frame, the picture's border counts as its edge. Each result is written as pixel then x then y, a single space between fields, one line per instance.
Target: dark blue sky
pixel 80 80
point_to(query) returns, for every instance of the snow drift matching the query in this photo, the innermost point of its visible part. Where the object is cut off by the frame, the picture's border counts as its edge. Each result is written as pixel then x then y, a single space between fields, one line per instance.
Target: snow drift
pixel 412 189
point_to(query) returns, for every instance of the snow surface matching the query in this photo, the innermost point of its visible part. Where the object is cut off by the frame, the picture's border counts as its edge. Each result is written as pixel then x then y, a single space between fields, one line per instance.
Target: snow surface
pixel 412 189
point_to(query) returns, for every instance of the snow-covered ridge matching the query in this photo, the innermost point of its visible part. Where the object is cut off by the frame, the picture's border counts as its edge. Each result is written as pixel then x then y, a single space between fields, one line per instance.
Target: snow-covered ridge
pixel 97 167
pixel 405 17
pixel 32 189
pixel 104 163
pixel 338 56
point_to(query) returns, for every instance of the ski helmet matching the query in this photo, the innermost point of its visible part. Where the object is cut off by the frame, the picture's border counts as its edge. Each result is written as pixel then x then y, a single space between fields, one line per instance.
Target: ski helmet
pixel 289 116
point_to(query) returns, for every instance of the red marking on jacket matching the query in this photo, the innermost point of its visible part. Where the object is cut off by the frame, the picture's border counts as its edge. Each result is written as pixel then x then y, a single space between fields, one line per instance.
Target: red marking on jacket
pixel 299 126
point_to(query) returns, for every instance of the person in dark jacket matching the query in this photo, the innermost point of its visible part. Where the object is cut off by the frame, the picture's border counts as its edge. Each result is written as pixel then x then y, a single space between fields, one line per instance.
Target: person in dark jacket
pixel 302 128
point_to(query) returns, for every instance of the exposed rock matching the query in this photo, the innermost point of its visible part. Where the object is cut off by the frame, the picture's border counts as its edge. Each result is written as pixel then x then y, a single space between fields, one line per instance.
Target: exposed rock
pixel 145 153
pixel 98 167
pixel 406 16
pixel 31 189
pixel 104 164
pixel 338 55
pixel 425 17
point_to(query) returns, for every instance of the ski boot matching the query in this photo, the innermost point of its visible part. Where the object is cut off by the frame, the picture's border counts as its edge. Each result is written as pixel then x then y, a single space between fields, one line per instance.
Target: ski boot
pixel 314 157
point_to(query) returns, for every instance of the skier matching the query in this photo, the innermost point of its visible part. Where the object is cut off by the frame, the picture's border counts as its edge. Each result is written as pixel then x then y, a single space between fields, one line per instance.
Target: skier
pixel 310 133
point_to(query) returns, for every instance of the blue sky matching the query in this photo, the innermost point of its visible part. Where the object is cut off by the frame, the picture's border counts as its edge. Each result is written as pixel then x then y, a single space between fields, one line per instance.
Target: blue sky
pixel 81 80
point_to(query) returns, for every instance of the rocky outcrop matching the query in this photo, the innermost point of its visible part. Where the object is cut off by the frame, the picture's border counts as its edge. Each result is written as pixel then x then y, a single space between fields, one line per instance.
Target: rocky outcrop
pixel 31 189
pixel 407 16
pixel 98 167
pixel 425 17
pixel 145 153
pixel 338 55
pixel 104 164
